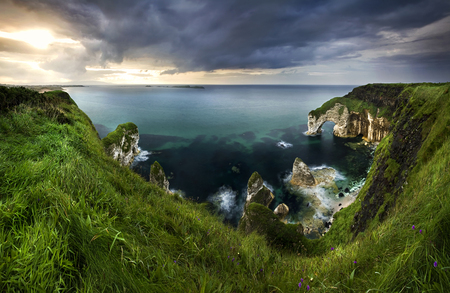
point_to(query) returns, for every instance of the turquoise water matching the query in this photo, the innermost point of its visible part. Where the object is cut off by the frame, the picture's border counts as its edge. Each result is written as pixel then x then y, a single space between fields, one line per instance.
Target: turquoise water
pixel 209 141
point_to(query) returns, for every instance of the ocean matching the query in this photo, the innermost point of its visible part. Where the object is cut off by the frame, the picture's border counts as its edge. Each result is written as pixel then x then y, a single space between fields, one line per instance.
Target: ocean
pixel 209 141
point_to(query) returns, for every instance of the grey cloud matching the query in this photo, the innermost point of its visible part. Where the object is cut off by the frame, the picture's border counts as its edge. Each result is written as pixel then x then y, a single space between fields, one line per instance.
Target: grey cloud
pixel 195 35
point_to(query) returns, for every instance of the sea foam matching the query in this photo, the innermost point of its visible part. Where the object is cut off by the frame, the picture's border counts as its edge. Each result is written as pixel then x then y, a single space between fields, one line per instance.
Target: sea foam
pixel 142 156
pixel 284 145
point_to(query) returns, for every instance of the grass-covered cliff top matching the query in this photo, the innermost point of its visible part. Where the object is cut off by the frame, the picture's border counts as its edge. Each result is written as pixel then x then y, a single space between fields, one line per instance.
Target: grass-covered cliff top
pixel 72 219
pixel 379 99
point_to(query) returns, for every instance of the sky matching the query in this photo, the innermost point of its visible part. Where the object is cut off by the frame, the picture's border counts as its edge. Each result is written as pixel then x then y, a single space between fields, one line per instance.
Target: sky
pixel 224 41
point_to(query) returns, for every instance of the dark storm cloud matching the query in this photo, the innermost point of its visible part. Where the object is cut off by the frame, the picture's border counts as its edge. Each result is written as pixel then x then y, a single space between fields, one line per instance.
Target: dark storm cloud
pixel 196 35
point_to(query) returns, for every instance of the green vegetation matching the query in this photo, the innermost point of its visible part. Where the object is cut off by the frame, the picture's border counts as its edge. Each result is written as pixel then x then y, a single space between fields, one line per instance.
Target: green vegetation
pixel 157 174
pixel 114 137
pixel 72 219
pixel 378 99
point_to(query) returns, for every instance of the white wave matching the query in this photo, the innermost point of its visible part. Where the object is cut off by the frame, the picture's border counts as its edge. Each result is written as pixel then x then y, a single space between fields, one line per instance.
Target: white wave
pixel 339 176
pixel 225 199
pixel 270 187
pixel 181 193
pixel 284 145
pixel 142 156
pixel 305 133
pixel 287 178
pixel 313 168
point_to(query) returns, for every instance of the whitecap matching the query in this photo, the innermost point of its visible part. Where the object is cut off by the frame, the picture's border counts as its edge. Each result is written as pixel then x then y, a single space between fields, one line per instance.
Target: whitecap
pixel 284 145
pixel 225 200
pixel 142 156
pixel 270 187
pixel 287 178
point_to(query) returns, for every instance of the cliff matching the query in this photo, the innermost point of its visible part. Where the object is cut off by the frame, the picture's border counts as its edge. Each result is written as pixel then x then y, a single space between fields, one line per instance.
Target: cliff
pixel 365 111
pixel 71 214
pixel 122 143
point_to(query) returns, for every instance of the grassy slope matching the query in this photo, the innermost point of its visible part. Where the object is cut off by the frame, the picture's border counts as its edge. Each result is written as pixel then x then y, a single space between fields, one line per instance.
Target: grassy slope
pixel 72 219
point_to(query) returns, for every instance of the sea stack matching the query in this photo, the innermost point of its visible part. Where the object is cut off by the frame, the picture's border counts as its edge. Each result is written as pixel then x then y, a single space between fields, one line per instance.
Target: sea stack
pixel 281 211
pixel 122 143
pixel 257 192
pixel 158 177
pixel 301 174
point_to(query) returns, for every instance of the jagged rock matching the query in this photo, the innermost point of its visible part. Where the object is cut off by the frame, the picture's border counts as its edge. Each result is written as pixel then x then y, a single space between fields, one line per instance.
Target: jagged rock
pixel 158 177
pixel 257 192
pixel 122 143
pixel 301 175
pixel 281 211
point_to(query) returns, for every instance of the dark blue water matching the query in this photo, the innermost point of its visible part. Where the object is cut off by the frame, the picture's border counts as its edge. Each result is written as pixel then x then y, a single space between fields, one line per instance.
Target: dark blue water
pixel 209 141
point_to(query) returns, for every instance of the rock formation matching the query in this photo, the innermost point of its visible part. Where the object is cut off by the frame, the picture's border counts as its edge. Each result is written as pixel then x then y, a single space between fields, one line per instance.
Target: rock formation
pixel 350 124
pixel 158 177
pixel 301 175
pixel 122 143
pixel 257 192
pixel 258 217
pixel 366 110
pixel 281 211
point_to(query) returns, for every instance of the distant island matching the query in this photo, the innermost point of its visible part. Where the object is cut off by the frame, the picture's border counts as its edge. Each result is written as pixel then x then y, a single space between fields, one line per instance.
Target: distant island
pixel 179 86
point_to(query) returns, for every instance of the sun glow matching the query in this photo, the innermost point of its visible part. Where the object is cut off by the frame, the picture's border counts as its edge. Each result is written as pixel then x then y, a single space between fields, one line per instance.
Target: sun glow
pixel 37 38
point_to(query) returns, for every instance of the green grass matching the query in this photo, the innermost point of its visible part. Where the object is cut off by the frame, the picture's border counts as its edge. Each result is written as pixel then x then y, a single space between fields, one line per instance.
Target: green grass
pixel 73 220
pixel 114 137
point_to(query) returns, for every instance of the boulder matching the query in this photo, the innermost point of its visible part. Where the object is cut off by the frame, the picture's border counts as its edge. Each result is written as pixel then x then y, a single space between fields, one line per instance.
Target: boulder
pixel 281 211
pixel 158 177
pixel 122 143
pixel 301 175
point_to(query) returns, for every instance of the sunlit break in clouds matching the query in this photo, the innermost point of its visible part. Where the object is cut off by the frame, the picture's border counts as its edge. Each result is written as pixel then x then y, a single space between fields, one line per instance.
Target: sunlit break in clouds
pixel 224 42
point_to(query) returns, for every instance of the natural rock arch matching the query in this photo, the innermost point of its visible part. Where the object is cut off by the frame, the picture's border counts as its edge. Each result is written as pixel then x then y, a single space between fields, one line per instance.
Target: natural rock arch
pixel 349 123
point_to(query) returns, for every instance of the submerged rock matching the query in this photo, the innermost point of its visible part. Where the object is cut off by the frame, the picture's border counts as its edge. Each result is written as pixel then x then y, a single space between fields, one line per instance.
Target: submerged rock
pixel 158 177
pixel 122 143
pixel 301 174
pixel 281 211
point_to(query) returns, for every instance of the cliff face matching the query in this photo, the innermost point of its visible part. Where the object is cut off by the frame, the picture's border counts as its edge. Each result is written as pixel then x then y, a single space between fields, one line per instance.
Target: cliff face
pixel 350 123
pixel 364 111
pixel 418 128
pixel 122 143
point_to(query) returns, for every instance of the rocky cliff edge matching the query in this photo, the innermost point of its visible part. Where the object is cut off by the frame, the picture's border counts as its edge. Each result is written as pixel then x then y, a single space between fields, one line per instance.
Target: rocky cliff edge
pixel 122 143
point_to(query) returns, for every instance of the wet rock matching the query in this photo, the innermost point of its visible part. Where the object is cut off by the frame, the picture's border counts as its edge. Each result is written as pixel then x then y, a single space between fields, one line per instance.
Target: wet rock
pixel 301 175
pixel 257 192
pixel 281 211
pixel 347 190
pixel 341 194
